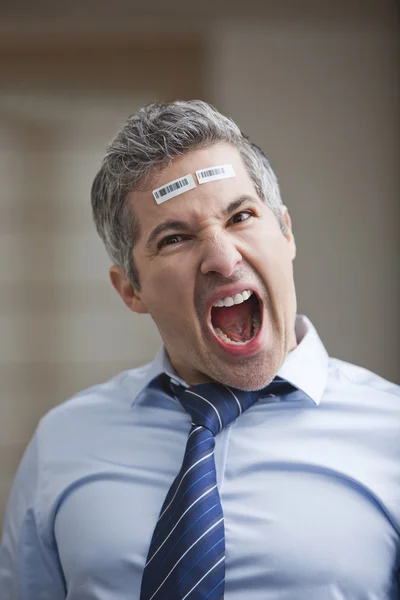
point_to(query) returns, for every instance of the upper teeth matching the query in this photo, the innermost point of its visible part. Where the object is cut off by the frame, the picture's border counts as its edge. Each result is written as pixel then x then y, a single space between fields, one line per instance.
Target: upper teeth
pixel 236 299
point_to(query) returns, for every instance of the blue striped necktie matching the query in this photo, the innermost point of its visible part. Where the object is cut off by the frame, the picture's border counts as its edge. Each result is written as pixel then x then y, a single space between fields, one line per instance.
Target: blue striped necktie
pixel 186 558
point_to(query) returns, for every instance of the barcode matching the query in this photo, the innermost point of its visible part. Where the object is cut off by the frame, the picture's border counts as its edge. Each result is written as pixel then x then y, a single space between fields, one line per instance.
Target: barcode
pixel 214 173
pixel 210 172
pixel 170 188
pixel 174 188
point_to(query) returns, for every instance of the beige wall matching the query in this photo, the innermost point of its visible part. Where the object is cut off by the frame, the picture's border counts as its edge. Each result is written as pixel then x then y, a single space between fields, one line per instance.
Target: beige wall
pixel 319 95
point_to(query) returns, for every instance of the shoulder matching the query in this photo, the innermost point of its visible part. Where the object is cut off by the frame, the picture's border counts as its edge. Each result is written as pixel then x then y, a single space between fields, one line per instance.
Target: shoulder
pixel 360 377
pixel 114 396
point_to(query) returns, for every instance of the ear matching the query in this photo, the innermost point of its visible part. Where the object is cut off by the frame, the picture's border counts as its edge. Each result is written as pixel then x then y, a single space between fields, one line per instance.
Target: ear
pixel 129 293
pixel 289 234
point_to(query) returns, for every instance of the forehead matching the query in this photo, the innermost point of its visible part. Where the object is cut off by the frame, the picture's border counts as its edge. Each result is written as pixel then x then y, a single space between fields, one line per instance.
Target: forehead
pixel 204 199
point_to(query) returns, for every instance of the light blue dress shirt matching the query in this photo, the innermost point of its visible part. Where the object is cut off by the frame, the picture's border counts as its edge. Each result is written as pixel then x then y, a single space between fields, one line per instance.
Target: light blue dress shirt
pixel 309 483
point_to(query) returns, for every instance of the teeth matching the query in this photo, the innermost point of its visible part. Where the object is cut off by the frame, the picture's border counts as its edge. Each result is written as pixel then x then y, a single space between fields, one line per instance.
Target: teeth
pixel 228 301
pixel 236 299
pixel 222 336
pixel 226 339
pixel 256 324
pixel 219 303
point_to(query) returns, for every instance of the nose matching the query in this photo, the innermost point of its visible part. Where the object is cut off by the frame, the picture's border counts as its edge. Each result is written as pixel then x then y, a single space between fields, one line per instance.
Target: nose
pixel 219 256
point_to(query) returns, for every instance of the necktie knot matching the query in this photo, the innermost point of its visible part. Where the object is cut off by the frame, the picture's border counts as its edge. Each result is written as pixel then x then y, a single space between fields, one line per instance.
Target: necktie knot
pixel 215 405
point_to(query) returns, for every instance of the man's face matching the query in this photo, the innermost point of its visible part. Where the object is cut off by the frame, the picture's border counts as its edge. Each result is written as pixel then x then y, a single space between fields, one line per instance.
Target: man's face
pixel 218 240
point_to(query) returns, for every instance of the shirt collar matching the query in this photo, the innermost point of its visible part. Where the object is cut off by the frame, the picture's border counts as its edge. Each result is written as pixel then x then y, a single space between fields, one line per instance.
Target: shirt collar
pixel 306 367
pixel 160 364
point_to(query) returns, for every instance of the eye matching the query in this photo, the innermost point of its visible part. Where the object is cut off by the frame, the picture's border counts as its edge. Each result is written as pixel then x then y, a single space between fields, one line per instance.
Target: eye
pixel 241 216
pixel 170 240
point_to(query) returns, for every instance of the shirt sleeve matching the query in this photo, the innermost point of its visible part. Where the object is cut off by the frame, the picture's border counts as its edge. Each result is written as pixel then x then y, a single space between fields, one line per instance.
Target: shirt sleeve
pixel 29 568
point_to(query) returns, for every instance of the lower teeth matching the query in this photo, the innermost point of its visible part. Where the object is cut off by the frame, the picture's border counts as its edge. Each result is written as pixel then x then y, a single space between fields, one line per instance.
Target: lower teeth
pixel 224 338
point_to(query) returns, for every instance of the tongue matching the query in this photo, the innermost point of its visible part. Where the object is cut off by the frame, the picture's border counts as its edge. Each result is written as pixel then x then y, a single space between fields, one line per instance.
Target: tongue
pixel 235 321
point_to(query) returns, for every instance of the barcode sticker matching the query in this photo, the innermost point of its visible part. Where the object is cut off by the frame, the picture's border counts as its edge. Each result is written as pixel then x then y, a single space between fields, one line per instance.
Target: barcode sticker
pixel 174 188
pixel 214 173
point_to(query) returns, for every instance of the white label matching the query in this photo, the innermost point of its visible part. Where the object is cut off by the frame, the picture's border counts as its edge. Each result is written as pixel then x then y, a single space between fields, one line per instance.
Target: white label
pixel 174 188
pixel 214 173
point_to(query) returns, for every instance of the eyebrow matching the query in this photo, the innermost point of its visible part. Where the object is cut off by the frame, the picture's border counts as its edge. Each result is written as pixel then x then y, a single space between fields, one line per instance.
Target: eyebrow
pixel 235 204
pixel 177 225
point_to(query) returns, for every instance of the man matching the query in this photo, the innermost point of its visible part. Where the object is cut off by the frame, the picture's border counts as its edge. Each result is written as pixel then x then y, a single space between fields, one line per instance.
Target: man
pixel 303 476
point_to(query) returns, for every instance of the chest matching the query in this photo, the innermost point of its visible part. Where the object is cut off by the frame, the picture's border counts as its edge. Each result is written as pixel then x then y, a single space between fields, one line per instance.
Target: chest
pixel 302 511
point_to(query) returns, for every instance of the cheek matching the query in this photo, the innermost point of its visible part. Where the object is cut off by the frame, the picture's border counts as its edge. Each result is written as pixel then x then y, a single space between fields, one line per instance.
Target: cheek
pixel 168 293
pixel 275 263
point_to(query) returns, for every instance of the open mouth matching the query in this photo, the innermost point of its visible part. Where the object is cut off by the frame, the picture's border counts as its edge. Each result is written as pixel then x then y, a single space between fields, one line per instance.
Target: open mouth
pixel 236 319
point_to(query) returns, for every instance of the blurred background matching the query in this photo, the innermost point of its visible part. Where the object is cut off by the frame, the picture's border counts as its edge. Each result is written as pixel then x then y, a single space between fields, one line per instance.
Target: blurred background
pixel 314 83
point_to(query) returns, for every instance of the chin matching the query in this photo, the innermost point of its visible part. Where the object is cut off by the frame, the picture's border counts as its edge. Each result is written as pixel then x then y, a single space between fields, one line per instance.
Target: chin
pixel 247 377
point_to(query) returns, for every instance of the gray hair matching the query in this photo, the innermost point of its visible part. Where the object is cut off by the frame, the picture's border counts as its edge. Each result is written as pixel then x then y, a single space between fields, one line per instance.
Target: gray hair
pixel 149 141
